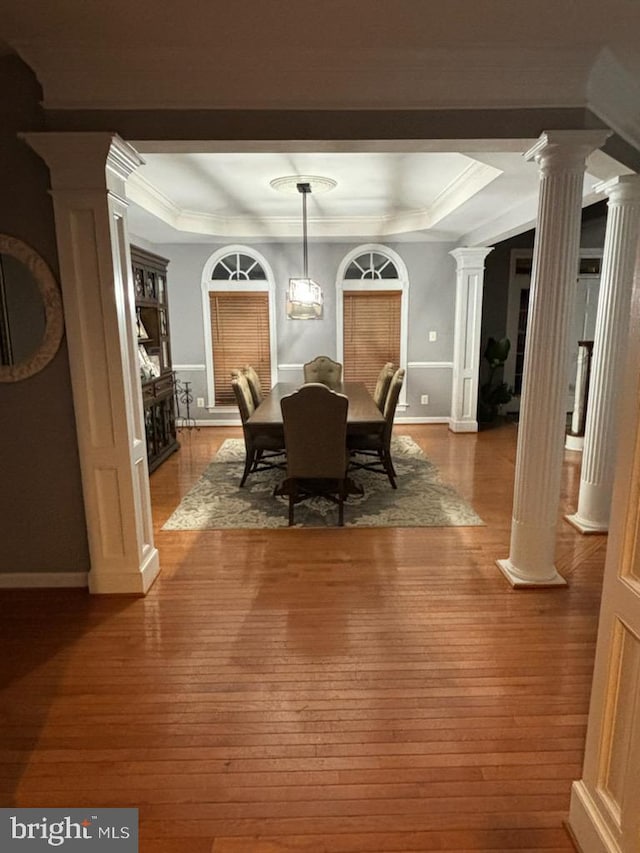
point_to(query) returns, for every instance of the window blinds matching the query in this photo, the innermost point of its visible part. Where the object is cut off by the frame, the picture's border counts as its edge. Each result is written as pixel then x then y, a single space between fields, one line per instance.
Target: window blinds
pixel 239 336
pixel 371 334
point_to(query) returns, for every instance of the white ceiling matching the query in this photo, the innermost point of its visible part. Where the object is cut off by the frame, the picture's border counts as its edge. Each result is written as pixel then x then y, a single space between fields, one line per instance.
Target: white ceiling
pixel 472 198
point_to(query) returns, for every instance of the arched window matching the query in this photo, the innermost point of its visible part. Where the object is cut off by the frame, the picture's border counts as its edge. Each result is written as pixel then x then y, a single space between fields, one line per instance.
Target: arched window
pixel 239 311
pixel 372 313
pixel 371 265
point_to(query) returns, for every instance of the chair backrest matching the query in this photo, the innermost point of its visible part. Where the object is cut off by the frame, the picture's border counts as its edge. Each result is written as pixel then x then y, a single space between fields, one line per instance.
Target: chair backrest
pixel 244 397
pixel 323 369
pixel 382 385
pixel 315 432
pixel 254 383
pixel 390 404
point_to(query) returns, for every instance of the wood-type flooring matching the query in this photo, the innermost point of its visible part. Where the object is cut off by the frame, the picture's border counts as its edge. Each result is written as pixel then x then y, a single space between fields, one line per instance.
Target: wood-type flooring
pixel 315 691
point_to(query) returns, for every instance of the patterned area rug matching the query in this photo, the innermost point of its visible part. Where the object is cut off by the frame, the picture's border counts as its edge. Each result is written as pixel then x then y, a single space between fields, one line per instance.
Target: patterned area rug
pixel 421 499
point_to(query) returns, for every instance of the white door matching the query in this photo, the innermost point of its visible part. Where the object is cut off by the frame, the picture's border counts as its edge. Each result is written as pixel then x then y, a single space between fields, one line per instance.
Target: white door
pixel 605 803
pixel 583 326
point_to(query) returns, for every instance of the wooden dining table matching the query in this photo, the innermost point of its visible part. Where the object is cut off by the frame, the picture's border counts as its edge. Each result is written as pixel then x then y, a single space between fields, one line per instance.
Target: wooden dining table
pixel 363 415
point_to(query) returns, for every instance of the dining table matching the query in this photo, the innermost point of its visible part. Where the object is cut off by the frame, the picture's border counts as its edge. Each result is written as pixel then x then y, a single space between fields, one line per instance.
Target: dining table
pixel 363 415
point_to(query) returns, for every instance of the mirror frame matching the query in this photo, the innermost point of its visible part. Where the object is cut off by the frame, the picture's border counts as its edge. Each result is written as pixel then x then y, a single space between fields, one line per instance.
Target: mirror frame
pixel 54 316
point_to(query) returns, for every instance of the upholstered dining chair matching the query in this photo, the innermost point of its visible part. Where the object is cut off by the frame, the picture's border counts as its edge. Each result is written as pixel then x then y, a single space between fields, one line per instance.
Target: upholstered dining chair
pixel 378 445
pixel 323 369
pixel 315 436
pixel 254 383
pixel 263 450
pixel 382 385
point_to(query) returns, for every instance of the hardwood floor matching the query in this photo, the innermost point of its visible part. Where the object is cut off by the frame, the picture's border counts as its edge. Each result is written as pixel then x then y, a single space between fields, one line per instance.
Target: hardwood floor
pixel 333 690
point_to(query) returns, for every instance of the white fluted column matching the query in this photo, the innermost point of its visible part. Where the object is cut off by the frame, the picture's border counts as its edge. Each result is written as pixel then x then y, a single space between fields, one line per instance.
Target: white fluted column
pixel 614 300
pixel 466 347
pixel 561 158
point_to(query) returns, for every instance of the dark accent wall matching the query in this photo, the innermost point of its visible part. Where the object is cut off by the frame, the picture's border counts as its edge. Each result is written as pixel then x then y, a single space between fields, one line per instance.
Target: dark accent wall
pixel 497 268
pixel 42 522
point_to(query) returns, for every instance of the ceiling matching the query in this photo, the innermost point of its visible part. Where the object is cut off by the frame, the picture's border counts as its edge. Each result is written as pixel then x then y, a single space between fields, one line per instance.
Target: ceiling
pixel 319 54
pixel 283 58
pixel 470 197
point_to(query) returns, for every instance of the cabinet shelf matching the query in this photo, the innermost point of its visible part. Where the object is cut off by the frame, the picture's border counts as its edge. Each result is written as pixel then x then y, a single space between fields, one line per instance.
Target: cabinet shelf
pixel 154 349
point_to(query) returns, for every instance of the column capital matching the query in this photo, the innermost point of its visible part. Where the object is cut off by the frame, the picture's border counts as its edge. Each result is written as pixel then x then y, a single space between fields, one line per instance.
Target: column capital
pixel 470 257
pixel 562 149
pixel 84 160
pixel 623 188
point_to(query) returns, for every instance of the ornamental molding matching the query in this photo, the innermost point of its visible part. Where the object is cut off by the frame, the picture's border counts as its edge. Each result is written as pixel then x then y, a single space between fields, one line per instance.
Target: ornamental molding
pixel 566 149
pixel 471 180
pixel 613 95
pixel 623 189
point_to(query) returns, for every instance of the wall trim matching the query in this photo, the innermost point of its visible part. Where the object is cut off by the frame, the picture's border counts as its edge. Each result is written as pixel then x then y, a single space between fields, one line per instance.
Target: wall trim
pixel 215 422
pixel 586 825
pixel 193 368
pixel 463 425
pixel 291 366
pixel 612 95
pixel 444 419
pixel 42 580
pixel 427 365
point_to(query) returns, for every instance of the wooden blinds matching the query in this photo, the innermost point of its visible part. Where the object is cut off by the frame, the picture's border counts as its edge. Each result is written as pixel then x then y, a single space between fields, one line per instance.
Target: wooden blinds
pixel 239 336
pixel 371 333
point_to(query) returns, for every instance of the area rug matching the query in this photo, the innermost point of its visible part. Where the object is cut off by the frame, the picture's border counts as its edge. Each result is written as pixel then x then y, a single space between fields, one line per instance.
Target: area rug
pixel 421 499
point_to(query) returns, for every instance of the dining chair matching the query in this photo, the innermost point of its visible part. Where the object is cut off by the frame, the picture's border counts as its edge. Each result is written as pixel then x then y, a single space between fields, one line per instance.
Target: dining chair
pixel 254 383
pixel 378 445
pixel 315 436
pixel 382 385
pixel 262 450
pixel 323 369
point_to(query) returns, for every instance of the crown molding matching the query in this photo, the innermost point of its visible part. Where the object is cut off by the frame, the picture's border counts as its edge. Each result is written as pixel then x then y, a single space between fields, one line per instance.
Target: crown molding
pixel 471 180
pixel 613 95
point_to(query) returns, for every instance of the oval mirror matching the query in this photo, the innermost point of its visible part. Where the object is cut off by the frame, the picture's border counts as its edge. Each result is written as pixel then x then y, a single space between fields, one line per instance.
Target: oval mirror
pixel 31 318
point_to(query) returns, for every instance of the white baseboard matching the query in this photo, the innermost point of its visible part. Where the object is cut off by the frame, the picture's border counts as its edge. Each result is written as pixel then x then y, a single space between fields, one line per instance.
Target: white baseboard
pixel 212 423
pixel 442 419
pixel 42 580
pixel 586 824
pixel 401 420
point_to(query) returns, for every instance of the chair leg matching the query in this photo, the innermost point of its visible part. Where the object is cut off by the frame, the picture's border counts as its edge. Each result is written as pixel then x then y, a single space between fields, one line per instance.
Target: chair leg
pixel 293 494
pixel 248 462
pixel 388 467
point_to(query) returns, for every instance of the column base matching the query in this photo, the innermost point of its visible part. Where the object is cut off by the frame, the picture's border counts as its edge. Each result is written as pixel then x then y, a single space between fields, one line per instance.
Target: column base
pixel 463 426
pixel 574 442
pixel 585 526
pixel 135 582
pixel 517 582
pixel 586 825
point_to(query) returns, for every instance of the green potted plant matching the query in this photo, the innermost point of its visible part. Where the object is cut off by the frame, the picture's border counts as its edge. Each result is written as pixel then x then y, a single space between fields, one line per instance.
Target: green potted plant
pixel 494 392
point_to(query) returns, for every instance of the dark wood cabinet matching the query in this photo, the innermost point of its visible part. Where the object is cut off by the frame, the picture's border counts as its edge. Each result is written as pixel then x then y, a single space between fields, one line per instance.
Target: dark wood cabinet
pixel 154 352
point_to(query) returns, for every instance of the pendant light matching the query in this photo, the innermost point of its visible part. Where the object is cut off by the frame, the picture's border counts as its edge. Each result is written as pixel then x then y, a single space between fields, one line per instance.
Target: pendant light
pixel 304 297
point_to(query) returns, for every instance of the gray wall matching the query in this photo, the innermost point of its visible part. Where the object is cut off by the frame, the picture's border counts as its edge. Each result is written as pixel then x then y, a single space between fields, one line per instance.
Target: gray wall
pixel 42 524
pixel 431 272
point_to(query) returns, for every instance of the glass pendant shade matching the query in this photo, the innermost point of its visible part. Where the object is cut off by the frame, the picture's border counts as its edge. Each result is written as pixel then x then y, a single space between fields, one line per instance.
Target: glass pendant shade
pixel 304 297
